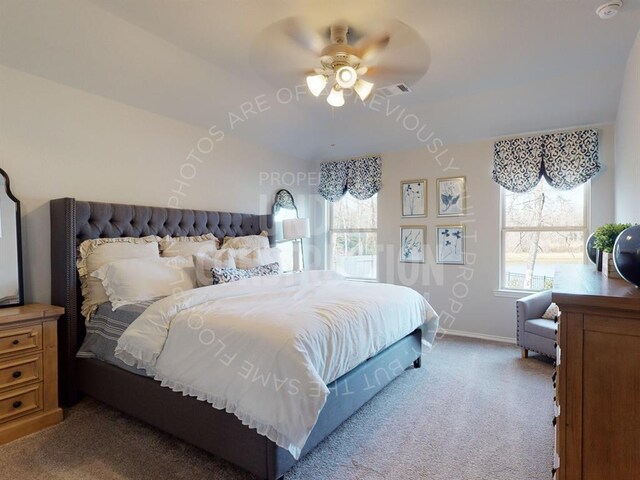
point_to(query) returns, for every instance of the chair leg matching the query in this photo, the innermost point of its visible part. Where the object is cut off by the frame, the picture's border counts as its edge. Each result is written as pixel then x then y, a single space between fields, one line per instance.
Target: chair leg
pixel 525 353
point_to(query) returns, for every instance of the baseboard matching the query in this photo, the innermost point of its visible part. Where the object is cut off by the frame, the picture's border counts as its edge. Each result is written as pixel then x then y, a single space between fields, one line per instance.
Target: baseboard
pixel 482 336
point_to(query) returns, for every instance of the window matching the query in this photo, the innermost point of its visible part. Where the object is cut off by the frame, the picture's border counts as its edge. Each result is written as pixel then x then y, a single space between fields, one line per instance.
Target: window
pixel 541 229
pixel 353 239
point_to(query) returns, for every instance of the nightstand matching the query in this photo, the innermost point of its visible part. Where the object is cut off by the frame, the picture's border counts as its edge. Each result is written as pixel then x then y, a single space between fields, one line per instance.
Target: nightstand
pixel 28 370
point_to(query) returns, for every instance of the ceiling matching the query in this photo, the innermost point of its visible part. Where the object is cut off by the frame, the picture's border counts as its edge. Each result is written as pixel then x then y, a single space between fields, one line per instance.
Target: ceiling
pixel 498 67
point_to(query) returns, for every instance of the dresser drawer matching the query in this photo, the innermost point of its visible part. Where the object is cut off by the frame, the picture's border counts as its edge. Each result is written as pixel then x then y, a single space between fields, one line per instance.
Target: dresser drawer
pixel 21 370
pixel 20 401
pixel 20 340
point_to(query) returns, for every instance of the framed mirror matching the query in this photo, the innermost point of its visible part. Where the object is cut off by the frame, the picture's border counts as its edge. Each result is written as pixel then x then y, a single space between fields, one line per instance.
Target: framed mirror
pixel 11 292
pixel 284 208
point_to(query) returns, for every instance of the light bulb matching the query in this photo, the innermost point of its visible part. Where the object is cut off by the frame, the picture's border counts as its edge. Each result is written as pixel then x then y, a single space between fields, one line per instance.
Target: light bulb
pixel 346 77
pixel 336 97
pixel 316 84
pixel 363 88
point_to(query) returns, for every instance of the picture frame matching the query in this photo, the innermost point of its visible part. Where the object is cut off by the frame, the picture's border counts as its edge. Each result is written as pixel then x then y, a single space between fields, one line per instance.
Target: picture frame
pixel 451 194
pixel 414 197
pixel 412 243
pixel 450 244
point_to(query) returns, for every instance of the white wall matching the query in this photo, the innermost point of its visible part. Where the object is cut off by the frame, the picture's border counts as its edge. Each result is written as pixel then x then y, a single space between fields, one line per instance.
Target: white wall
pixel 56 141
pixel 628 142
pixel 464 296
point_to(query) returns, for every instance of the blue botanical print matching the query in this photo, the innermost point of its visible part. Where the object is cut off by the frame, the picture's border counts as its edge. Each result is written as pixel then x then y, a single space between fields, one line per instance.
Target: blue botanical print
pixel 450 245
pixel 412 198
pixel 412 245
pixel 451 191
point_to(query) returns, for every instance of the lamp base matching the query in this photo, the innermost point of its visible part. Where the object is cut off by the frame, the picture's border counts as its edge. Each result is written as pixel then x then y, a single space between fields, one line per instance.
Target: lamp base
pixel 296 255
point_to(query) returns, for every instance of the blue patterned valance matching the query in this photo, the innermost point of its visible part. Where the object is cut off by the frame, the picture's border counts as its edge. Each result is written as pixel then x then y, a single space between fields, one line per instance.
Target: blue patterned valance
pixel 361 177
pixel 565 159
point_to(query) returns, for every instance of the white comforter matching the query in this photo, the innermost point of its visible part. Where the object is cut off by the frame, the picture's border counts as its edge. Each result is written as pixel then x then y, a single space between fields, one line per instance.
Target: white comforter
pixel 265 348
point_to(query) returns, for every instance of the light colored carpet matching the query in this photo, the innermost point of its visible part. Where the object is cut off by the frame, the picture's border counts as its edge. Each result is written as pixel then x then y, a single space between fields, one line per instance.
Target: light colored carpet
pixel 474 411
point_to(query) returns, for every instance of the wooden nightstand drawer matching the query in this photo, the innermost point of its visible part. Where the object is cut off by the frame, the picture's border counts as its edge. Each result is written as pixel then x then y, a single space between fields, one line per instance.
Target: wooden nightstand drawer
pixel 20 401
pixel 20 371
pixel 28 370
pixel 20 340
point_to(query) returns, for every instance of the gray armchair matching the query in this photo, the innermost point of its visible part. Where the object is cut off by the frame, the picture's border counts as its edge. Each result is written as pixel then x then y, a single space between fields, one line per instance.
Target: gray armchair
pixel 533 332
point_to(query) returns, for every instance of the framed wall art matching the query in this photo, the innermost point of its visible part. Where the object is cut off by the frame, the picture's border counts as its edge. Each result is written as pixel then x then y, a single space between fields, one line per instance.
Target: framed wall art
pixel 414 198
pixel 412 244
pixel 450 244
pixel 451 194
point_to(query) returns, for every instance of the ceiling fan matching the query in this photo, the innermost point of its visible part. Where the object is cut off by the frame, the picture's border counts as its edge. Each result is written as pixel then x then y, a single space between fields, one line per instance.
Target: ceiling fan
pixel 346 61
pixel 344 65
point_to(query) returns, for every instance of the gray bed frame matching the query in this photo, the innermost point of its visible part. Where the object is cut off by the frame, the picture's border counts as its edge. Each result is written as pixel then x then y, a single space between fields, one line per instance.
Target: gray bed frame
pixel 194 421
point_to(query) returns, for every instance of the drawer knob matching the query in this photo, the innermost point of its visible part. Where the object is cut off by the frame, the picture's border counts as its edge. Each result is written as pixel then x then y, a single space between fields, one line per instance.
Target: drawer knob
pixel 17 374
pixel 16 341
pixel 17 404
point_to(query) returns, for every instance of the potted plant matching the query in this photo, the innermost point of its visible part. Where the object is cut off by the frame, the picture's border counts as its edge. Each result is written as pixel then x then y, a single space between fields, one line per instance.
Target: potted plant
pixel 605 238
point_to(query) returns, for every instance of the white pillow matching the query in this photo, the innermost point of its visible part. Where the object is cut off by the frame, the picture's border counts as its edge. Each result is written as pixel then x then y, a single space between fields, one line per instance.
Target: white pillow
pixel 187 246
pixel 248 241
pixel 93 254
pixel 142 279
pixel 204 263
pixel 251 258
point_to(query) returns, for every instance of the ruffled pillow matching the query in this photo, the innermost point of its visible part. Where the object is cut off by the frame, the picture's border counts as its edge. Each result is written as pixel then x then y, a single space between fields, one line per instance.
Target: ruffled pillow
pixel 187 246
pixel 94 253
pixel 248 241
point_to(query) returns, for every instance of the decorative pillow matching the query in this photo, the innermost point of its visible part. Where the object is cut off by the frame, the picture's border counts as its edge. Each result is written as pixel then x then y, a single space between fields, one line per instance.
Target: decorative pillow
pixel 93 254
pixel 250 258
pixel 249 241
pixel 142 279
pixel 228 275
pixel 270 255
pixel 552 312
pixel 204 263
pixel 187 246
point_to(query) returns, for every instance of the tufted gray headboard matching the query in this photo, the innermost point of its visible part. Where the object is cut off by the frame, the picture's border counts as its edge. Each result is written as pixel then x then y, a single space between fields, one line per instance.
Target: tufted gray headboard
pixel 73 221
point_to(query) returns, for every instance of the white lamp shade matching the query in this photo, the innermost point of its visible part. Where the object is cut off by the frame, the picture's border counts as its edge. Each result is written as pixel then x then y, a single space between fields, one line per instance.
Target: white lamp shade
pixel 336 97
pixel 295 228
pixel 316 84
pixel 363 88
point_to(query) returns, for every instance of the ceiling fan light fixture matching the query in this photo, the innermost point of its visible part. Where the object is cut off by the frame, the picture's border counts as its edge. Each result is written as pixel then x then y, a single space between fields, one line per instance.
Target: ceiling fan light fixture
pixel 346 76
pixel 336 97
pixel 363 88
pixel 316 84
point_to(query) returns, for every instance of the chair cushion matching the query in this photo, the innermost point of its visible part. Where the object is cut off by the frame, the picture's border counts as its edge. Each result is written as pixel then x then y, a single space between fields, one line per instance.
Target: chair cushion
pixel 542 327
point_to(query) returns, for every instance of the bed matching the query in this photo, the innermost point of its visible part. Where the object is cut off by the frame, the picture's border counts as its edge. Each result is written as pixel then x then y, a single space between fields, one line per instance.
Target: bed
pixel 185 417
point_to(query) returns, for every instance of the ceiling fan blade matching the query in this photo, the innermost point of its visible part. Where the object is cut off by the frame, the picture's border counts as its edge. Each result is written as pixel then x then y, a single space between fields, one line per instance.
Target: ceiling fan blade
pixel 372 45
pixel 390 74
pixel 303 34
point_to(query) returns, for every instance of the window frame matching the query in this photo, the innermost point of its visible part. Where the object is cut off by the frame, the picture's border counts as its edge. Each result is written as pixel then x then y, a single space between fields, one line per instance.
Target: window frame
pixel 585 228
pixel 331 230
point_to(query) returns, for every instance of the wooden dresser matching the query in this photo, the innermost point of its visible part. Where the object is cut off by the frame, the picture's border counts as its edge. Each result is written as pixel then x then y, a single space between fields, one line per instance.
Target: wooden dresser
pixel 597 377
pixel 28 370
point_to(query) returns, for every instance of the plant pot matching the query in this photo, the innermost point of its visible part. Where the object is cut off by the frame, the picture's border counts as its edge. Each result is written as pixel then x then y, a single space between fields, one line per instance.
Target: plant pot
pixel 608 266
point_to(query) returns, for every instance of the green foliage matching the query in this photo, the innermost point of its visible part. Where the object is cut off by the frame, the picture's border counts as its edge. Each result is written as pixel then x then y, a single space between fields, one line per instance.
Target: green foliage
pixel 605 236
